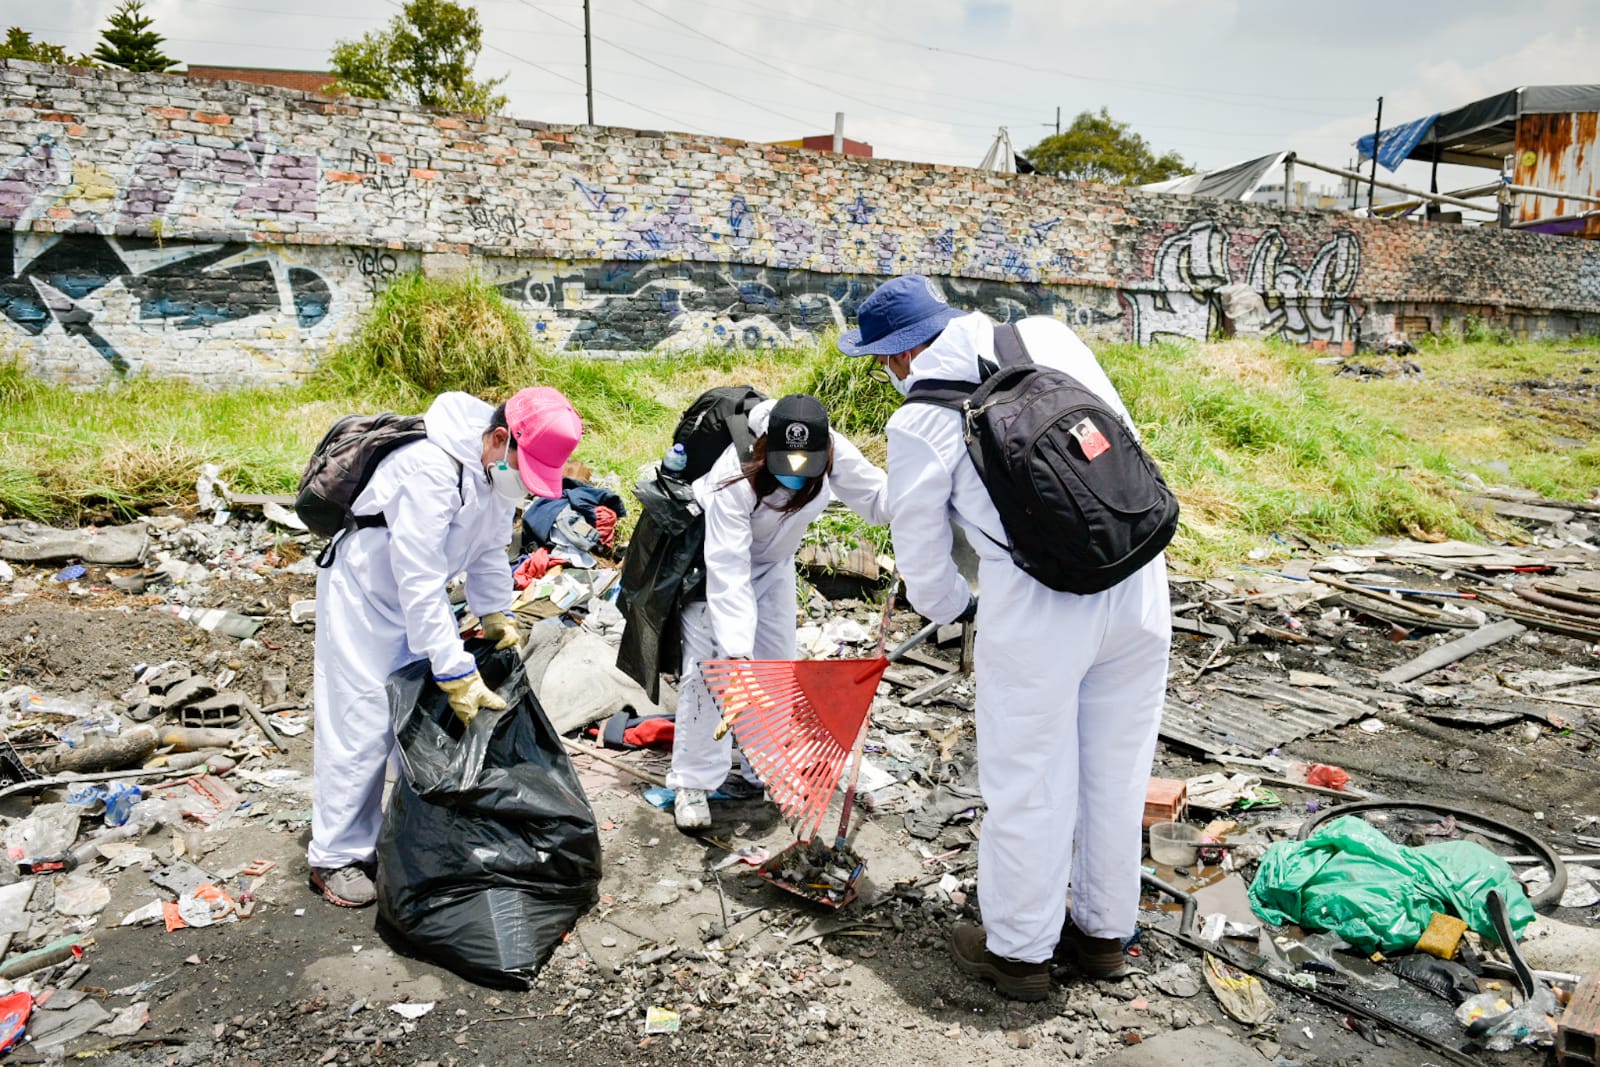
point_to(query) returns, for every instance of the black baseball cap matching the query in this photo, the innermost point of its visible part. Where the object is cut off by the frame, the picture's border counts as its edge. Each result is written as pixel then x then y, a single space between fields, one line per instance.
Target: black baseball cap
pixel 797 436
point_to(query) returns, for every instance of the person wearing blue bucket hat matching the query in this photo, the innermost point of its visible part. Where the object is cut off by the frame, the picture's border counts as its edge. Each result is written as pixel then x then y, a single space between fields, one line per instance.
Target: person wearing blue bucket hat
pixel 1069 686
pixel 901 314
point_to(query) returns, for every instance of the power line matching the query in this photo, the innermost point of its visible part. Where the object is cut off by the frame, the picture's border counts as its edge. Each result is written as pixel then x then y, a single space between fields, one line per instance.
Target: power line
pixel 600 92
pixel 574 81
pixel 894 36
pixel 646 59
pixel 803 79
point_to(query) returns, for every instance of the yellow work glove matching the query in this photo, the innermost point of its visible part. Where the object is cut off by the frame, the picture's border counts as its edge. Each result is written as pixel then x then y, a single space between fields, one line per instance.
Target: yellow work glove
pixel 467 694
pixel 498 627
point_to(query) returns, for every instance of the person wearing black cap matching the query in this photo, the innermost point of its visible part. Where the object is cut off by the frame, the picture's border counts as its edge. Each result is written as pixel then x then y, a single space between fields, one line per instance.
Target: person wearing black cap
pixel 1069 687
pixel 757 508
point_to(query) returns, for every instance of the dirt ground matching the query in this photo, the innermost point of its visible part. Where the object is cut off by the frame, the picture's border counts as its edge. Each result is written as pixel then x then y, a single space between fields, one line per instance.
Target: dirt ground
pixel 756 975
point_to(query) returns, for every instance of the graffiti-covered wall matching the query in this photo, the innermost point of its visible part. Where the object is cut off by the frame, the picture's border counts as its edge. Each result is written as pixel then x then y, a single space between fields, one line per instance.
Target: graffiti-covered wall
pixel 228 233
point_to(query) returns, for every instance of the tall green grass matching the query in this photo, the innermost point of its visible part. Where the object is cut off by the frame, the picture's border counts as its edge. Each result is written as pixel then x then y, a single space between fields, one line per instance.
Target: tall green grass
pixel 1255 442
pixel 1255 437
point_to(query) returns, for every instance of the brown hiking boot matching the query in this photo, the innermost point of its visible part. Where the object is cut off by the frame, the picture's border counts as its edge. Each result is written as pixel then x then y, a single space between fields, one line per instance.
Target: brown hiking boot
pixel 1092 957
pixel 1011 978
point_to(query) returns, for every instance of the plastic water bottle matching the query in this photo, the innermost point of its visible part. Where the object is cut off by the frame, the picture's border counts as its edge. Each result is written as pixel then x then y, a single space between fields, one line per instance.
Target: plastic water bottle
pixel 675 460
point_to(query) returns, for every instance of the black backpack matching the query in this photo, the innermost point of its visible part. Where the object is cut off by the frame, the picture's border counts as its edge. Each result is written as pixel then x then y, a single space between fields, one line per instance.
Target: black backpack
pixel 1083 506
pixel 717 418
pixel 341 466
pixel 664 567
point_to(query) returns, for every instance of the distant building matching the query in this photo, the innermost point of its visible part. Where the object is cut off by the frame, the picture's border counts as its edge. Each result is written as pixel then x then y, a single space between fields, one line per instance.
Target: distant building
pixel 1537 136
pixel 823 142
pixel 309 81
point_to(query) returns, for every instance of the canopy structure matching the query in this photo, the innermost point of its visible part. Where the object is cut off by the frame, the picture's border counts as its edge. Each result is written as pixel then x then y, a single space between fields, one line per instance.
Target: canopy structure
pixel 1003 158
pixel 1479 134
pixel 1237 182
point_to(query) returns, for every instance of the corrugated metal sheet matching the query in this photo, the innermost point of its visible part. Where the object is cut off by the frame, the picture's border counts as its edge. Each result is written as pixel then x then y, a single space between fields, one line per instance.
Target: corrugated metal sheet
pixel 1252 718
pixel 1558 152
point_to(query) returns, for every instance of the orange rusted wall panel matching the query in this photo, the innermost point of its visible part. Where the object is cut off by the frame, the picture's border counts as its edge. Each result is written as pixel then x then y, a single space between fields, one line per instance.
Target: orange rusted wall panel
pixel 1557 152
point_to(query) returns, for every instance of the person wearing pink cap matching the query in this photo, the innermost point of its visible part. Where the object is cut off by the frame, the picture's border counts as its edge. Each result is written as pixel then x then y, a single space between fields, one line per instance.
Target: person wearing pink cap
pixel 432 509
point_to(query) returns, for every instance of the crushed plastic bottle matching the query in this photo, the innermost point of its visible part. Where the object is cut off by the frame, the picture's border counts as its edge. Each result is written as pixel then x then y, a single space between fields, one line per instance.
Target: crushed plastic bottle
pixel 675 460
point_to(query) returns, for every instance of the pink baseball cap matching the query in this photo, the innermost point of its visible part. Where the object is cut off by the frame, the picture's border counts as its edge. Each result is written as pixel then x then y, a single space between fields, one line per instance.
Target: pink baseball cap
pixel 546 430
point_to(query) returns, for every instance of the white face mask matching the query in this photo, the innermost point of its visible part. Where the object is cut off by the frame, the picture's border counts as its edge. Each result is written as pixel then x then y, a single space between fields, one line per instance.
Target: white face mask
pixel 901 385
pixel 506 481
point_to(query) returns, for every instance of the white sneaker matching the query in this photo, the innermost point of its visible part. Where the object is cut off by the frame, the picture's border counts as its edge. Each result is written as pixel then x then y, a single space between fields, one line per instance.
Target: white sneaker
pixel 691 810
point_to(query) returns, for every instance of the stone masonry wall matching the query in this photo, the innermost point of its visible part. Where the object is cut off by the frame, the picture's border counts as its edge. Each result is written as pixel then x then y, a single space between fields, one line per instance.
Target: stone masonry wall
pixel 230 233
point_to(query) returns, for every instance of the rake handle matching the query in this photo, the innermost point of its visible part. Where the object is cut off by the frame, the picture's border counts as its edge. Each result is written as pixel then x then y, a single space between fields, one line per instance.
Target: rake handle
pixel 727 723
pixel 857 755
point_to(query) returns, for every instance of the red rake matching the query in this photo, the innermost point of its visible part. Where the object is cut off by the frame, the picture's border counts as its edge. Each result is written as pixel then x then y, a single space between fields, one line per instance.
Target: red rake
pixel 797 722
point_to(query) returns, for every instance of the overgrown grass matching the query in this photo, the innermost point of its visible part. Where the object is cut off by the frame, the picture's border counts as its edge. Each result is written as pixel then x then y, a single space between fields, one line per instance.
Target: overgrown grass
pixel 1255 441
pixel 1256 438
pixel 433 335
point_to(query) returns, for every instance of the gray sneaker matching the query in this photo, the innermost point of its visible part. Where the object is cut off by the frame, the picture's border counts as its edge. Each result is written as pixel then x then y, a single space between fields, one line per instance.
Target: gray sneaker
pixel 349 886
pixel 691 810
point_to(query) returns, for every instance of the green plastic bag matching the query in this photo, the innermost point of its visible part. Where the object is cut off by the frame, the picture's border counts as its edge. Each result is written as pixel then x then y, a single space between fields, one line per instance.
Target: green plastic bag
pixel 1349 879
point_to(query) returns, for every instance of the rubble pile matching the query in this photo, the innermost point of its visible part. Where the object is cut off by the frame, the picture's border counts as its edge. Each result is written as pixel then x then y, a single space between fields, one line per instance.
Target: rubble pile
pixel 155 769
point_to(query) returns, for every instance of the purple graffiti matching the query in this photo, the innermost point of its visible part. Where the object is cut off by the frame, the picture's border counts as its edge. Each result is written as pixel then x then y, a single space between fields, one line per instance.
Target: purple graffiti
pixel 27 176
pixel 281 184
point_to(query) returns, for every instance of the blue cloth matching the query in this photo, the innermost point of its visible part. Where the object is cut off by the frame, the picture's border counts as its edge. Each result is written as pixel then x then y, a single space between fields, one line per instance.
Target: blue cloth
pixel 1396 143
pixel 540 515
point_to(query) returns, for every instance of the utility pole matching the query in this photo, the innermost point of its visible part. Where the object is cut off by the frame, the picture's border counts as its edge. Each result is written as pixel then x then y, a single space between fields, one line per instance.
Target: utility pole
pixel 1377 135
pixel 588 63
pixel 838 131
pixel 1058 120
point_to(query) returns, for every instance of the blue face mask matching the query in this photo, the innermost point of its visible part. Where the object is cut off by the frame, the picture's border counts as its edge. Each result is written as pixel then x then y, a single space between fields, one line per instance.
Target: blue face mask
pixel 791 481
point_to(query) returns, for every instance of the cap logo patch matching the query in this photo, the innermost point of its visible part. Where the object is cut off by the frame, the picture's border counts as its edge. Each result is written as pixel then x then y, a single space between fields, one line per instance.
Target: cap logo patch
pixel 796 435
pixel 933 290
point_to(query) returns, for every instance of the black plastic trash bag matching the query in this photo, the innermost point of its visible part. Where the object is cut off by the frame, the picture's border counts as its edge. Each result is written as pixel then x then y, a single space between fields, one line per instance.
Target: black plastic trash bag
pixel 489 851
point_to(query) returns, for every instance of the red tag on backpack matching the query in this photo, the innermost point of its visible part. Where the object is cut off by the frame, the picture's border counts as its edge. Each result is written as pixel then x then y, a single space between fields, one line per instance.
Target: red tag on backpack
pixel 1090 439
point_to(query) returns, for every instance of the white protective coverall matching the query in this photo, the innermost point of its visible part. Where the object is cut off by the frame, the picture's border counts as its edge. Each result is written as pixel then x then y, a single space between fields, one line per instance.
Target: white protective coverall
pixel 1070 687
pixel 750 606
pixel 383 604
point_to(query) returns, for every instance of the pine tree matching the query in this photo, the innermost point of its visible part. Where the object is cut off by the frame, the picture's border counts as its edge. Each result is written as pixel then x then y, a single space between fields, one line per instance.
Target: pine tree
pixel 129 43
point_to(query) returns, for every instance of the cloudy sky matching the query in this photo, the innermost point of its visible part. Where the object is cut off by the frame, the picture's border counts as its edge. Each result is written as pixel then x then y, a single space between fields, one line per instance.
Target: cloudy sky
pixel 1217 80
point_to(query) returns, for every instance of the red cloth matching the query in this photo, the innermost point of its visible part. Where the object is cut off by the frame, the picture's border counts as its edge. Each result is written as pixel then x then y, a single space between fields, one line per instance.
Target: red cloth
pixel 1327 776
pixel 605 524
pixel 531 569
pixel 655 732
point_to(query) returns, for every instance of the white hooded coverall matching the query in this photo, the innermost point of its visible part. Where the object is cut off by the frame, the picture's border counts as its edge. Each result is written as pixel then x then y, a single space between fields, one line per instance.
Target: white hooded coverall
pixel 383 604
pixel 750 606
pixel 1070 687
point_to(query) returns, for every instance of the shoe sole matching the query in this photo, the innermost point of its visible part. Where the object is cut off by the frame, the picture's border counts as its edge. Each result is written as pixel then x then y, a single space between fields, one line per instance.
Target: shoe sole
pixel 1000 980
pixel 333 898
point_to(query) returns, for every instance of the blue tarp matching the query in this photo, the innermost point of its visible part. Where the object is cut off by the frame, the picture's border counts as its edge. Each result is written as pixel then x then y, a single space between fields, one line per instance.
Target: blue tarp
pixel 1396 143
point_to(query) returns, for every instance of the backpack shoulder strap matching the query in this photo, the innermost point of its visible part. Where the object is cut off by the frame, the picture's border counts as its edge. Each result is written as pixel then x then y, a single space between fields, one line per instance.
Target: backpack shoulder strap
pixel 941 393
pixel 1008 346
pixel 740 434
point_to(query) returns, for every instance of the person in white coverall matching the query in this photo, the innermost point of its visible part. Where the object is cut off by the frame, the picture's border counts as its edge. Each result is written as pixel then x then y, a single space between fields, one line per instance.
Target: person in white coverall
pixel 1069 687
pixel 447 504
pixel 756 513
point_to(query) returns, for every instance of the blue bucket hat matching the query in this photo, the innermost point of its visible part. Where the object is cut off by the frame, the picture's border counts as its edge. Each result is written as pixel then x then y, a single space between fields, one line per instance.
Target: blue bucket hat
pixel 901 314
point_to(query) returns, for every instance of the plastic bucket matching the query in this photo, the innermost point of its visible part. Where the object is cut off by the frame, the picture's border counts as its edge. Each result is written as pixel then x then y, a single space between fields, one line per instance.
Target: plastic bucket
pixel 1175 844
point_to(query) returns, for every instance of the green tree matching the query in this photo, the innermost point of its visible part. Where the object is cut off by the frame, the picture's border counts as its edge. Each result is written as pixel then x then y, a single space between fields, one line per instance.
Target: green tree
pixel 1098 148
pixel 424 57
pixel 129 42
pixel 19 44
